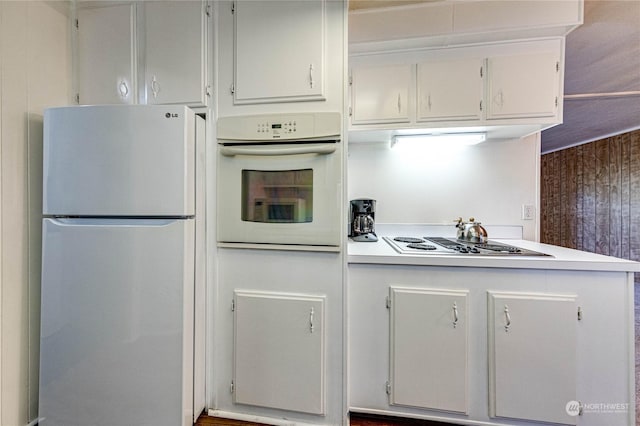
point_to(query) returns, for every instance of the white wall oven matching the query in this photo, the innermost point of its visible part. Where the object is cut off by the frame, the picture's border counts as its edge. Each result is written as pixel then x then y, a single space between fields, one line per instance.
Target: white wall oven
pixel 280 180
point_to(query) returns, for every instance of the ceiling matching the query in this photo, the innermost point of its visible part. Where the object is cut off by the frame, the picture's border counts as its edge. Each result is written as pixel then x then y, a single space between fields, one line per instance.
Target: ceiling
pixel 602 76
pixel 602 72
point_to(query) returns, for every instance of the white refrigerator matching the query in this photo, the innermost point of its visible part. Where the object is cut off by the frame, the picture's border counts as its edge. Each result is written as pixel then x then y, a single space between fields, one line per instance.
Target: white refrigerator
pixel 122 320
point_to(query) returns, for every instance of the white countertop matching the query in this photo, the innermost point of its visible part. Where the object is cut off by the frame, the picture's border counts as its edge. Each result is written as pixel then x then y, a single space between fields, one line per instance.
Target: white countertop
pixel 563 258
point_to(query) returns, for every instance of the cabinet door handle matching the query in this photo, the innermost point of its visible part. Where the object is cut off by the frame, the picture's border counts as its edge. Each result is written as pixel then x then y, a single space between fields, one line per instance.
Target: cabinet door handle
pixel 399 103
pixel 499 99
pixel 507 319
pixel 311 76
pixel 123 89
pixel 455 315
pixel 155 87
pixel 429 101
pixel 311 320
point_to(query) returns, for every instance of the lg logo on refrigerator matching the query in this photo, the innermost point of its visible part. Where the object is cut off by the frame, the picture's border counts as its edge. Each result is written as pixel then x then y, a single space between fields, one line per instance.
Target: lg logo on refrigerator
pixel 170 115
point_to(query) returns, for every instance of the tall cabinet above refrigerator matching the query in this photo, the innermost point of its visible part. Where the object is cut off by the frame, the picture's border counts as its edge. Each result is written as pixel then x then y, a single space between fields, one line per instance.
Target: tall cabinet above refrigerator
pixel 122 323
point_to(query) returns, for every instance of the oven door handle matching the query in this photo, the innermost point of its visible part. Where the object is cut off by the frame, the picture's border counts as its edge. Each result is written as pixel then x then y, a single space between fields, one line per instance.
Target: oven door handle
pixel 320 149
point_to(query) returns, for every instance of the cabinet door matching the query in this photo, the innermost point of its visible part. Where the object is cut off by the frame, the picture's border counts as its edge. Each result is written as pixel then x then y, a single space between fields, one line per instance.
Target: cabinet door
pixel 279 51
pixel 106 54
pixel 429 349
pixel 532 356
pixel 279 351
pixel 175 47
pixel 450 90
pixel 380 94
pixel 523 86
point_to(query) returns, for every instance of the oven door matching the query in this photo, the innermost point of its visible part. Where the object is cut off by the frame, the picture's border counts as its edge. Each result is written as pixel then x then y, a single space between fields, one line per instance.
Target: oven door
pixel 280 193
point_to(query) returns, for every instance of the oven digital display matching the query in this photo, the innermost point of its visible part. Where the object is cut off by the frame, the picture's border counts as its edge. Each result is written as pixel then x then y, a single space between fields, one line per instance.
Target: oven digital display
pixel 276 126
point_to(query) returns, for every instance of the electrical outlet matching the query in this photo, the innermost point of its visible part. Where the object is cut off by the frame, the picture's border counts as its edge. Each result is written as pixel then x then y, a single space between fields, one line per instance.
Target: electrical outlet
pixel 528 212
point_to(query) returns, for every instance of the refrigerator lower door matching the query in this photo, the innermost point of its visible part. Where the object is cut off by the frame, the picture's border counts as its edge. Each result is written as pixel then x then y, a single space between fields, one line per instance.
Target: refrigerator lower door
pixel 117 322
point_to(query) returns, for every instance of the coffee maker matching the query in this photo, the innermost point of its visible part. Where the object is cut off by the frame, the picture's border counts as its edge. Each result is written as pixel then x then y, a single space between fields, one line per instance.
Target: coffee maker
pixel 361 220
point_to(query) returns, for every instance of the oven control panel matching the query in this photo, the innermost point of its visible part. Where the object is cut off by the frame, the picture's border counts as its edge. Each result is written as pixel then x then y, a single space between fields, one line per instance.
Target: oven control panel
pixel 278 129
pixel 270 127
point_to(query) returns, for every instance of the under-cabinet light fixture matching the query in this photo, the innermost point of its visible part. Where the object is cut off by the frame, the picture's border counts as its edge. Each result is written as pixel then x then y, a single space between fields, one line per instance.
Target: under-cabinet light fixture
pixel 452 139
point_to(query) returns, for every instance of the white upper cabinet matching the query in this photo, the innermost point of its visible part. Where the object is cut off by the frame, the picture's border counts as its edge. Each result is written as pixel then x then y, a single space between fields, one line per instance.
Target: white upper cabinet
pixel 175 52
pixel 517 19
pixel 279 355
pixel 450 89
pixel 380 94
pixel 143 52
pixel 106 55
pixel 523 85
pixel 532 356
pixel 504 89
pixel 447 23
pixel 279 51
pixel 429 349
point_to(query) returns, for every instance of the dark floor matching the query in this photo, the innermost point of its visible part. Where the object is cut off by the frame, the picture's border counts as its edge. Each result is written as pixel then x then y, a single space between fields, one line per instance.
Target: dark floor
pixel 205 420
pixel 355 420
pixel 369 420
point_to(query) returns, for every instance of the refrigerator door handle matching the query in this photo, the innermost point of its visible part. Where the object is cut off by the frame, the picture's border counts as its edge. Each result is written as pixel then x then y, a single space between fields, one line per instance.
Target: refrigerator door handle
pixel 59 221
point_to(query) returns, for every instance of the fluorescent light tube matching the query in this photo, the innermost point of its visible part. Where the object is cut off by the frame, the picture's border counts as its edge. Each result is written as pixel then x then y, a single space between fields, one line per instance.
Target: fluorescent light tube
pixel 449 139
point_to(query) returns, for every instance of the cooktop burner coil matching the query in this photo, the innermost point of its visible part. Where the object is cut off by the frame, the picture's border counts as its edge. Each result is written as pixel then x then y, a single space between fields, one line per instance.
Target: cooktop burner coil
pixel 421 246
pixel 499 248
pixel 451 246
pixel 411 240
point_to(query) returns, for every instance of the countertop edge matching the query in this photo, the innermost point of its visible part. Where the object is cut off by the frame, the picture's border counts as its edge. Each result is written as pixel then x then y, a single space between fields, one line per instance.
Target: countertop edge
pixel 494 263
pixel 380 253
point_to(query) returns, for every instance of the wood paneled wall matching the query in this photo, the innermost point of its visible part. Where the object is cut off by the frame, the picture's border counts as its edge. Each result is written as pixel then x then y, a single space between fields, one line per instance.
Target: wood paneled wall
pixel 590 197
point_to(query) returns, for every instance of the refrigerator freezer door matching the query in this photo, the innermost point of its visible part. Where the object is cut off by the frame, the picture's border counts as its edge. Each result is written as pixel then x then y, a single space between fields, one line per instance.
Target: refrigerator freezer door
pixel 117 322
pixel 119 160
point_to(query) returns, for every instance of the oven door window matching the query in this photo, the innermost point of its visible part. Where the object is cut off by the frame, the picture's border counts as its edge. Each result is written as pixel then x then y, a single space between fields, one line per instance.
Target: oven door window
pixel 277 196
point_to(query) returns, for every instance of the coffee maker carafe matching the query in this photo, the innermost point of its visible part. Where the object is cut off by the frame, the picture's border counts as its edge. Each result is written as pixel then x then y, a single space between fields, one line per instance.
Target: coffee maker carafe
pixel 362 220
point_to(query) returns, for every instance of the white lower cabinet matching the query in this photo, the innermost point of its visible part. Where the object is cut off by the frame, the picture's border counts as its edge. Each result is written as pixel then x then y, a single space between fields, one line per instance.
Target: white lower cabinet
pixel 532 356
pixel 279 351
pixel 491 346
pixel 429 348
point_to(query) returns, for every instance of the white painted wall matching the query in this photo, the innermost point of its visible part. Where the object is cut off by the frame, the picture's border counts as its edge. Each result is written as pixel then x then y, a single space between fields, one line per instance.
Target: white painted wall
pixel 35 72
pixel 490 181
